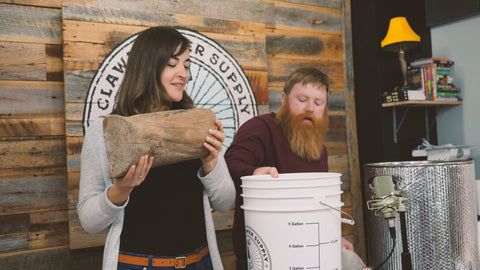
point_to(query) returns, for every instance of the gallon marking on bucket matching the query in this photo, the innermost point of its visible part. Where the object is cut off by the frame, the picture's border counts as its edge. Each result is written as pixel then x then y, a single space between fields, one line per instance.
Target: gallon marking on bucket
pixel 293 222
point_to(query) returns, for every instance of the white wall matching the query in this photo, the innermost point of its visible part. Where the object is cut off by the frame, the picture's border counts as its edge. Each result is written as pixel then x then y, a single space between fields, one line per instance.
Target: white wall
pixel 460 125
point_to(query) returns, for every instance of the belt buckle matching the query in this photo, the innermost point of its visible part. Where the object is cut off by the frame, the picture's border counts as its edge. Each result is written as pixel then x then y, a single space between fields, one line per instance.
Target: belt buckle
pixel 184 261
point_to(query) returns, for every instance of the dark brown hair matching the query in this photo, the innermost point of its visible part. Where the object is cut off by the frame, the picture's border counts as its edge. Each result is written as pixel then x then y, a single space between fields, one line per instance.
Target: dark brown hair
pixel 305 76
pixel 141 90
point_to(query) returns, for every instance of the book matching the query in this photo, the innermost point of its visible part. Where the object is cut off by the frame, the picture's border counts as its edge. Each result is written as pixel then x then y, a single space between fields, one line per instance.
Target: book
pixel 444 62
pixel 449 99
pixel 444 79
pixel 416 94
pixel 447 88
pixel 447 94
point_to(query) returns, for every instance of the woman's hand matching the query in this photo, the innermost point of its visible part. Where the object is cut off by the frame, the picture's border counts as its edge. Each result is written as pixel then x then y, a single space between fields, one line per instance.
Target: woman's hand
pixel 213 143
pixel 121 188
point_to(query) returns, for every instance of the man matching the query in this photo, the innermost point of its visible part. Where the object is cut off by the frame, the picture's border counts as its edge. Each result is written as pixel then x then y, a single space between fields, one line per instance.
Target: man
pixel 285 142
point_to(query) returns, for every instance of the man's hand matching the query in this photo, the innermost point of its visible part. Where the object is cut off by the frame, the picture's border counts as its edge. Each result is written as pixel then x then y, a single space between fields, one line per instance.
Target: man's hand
pixel 266 170
pixel 346 244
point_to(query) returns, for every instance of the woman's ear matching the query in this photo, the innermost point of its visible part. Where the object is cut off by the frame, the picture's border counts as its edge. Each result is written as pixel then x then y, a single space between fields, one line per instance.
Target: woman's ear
pixel 284 96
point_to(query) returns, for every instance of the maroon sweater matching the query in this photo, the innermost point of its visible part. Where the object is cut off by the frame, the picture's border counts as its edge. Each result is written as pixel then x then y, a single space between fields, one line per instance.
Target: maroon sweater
pixel 259 142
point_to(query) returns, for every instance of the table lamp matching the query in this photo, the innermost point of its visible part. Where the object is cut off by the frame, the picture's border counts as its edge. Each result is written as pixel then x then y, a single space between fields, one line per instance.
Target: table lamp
pixel 400 37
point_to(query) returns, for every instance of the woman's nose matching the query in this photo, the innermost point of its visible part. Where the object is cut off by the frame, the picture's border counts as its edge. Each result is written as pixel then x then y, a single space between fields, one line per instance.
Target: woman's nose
pixel 182 72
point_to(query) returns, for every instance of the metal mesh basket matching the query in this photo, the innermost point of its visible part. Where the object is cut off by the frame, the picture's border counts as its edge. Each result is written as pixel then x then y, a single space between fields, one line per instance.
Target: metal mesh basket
pixel 441 217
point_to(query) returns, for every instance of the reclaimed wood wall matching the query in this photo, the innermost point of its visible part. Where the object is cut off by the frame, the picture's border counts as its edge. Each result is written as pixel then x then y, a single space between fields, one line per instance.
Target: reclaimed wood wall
pixel 50 50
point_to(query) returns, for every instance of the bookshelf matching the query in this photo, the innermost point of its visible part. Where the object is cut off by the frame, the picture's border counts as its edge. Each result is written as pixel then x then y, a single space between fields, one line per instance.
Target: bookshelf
pixel 414 103
pixel 420 103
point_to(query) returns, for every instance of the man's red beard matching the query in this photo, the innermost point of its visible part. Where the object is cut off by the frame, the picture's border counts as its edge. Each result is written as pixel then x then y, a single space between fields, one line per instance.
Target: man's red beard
pixel 305 138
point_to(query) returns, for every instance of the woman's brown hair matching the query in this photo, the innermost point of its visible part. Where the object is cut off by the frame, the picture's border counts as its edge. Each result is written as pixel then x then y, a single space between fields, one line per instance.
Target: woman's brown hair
pixel 141 90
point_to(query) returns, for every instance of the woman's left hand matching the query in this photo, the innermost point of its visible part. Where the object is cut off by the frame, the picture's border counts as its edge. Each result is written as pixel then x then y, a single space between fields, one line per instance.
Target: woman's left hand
pixel 213 143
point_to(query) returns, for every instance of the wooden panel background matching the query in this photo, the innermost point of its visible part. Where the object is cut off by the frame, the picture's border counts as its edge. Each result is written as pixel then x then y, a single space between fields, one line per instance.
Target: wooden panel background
pixel 46 64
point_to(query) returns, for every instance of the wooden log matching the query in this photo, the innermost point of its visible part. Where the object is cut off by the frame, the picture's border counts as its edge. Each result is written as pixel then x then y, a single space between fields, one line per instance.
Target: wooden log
pixel 168 136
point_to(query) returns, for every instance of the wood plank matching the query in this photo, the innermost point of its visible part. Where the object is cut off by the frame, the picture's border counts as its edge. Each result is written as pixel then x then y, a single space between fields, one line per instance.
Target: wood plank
pixel 14 224
pixel 73 188
pixel 354 169
pixel 259 83
pixel 30 24
pixel 20 99
pixel 320 3
pixel 53 258
pixel 280 68
pixel 48 229
pixel 46 3
pixel 239 10
pixel 13 242
pixel 138 19
pixel 249 51
pixel 44 126
pixel 22 61
pixel 15 173
pixel 305 44
pixel 54 62
pixel 336 148
pixel 40 153
pixel 77 81
pixel 223 221
pixel 307 16
pixel 32 193
pixel 278 13
pixel 74 145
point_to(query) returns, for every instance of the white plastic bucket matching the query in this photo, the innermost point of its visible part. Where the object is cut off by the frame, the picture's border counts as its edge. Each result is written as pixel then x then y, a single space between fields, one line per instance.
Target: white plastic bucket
pixel 291 180
pixel 294 221
pixel 292 203
pixel 267 190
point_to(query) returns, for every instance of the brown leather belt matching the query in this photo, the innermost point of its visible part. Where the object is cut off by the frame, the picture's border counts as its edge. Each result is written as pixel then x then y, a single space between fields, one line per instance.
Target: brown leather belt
pixel 177 262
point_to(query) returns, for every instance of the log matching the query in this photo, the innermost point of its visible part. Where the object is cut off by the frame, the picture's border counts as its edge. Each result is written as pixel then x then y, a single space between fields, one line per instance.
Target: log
pixel 168 136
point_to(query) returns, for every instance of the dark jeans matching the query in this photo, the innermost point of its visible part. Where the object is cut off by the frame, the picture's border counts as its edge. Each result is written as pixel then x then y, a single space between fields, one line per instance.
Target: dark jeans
pixel 204 264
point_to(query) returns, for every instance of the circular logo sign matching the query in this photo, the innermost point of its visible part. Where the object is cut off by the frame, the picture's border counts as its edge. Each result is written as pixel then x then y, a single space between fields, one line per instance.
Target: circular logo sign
pixel 217 82
pixel 257 252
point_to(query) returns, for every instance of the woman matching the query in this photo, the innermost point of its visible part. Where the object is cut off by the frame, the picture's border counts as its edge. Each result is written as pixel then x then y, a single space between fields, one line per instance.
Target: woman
pixel 156 217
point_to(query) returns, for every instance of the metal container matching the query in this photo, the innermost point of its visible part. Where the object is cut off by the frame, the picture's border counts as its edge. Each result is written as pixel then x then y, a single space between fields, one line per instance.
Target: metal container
pixel 441 219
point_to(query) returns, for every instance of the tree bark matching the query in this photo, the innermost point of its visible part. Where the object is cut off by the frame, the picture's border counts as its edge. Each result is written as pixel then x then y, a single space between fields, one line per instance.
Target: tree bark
pixel 168 136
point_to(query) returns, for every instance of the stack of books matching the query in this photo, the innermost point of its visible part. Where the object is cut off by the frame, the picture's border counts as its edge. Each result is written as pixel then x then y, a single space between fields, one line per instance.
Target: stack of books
pixel 401 94
pixel 431 76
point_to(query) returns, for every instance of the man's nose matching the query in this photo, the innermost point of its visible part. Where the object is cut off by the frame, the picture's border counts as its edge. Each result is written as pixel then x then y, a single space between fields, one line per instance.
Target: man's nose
pixel 309 106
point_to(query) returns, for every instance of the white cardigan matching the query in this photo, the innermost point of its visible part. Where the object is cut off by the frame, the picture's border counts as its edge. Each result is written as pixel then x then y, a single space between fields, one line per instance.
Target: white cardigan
pixel 97 213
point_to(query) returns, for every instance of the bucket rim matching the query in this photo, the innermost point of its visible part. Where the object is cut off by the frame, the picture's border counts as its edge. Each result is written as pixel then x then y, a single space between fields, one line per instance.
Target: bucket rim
pixel 292 210
pixel 290 176
pixel 290 187
pixel 290 197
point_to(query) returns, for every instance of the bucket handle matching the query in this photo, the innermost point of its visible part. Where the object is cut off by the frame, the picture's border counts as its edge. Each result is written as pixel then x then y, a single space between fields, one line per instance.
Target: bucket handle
pixel 350 221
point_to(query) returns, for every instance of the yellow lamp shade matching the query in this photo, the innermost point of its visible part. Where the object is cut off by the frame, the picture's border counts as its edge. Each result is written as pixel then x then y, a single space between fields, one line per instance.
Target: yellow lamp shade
pixel 399 35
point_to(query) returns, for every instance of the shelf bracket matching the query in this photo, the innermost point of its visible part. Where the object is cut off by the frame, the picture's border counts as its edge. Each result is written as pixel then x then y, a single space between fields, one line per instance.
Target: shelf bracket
pixel 396 127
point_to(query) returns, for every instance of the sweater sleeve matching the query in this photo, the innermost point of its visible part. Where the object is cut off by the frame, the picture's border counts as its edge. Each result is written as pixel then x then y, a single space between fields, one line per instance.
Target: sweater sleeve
pixel 219 186
pixel 247 150
pixel 96 212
